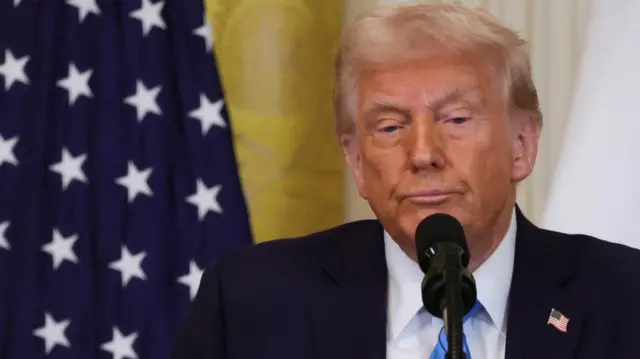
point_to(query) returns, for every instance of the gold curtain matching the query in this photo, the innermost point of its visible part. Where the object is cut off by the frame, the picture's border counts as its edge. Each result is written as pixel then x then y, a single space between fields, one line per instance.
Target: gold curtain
pixel 276 64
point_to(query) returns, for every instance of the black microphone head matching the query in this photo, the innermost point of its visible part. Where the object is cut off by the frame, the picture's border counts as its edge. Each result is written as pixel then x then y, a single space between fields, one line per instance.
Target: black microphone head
pixel 439 228
pixel 439 239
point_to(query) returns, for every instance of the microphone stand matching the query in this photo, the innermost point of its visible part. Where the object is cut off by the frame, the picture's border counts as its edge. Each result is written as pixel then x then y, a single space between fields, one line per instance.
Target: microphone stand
pixel 452 315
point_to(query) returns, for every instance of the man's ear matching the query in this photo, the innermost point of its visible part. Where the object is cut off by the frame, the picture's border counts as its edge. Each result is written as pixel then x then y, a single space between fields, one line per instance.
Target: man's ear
pixel 525 147
pixel 351 151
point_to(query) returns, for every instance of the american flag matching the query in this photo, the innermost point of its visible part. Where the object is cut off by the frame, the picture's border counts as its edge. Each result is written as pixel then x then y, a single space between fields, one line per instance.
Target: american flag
pixel 558 320
pixel 118 182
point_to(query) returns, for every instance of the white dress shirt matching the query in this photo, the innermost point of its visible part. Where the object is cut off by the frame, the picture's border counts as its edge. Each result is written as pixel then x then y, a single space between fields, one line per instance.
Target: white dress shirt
pixel 412 332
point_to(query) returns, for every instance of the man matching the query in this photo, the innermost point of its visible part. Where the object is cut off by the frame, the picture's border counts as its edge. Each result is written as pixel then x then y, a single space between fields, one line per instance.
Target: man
pixel 436 112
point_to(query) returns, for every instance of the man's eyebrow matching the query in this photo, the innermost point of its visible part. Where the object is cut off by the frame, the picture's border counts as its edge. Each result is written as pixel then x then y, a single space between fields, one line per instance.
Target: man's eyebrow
pixel 435 103
pixel 471 96
pixel 450 96
pixel 456 94
pixel 383 105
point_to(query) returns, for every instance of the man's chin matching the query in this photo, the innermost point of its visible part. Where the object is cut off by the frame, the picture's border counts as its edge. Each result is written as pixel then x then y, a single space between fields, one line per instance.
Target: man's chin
pixel 420 211
pixel 409 221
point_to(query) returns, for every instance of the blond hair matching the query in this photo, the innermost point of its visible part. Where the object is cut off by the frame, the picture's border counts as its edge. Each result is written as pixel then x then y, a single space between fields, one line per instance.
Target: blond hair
pixel 396 33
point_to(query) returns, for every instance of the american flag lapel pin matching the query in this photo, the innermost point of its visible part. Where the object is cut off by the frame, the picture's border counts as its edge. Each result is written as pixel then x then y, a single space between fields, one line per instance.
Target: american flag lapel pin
pixel 558 320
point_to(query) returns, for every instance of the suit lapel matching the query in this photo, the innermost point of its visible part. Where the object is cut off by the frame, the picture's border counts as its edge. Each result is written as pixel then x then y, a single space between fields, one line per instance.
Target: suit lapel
pixel 545 264
pixel 349 311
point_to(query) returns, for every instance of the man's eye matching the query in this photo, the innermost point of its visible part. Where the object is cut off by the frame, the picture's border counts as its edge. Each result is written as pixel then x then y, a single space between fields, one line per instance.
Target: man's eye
pixel 390 129
pixel 459 120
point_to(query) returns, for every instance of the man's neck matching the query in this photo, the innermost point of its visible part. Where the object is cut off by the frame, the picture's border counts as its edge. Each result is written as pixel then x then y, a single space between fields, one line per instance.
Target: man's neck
pixel 482 245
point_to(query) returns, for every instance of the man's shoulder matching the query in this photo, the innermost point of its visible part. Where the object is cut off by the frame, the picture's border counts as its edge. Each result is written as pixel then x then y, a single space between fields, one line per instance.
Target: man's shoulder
pixel 599 256
pixel 301 252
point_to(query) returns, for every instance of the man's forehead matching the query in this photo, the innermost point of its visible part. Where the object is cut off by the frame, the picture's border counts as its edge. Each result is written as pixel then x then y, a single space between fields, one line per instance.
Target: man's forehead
pixel 436 80
pixel 429 83
pixel 386 100
pixel 442 64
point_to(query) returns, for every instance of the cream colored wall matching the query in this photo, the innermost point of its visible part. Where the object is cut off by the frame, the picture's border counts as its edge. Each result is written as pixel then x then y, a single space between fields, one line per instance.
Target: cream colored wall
pixel 555 31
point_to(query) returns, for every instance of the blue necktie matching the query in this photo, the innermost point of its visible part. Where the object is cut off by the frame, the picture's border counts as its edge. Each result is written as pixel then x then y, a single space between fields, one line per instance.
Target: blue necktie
pixel 440 350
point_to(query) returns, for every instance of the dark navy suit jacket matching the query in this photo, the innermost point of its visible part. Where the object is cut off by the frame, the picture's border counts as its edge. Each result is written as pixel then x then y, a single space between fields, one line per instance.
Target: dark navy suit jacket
pixel 324 297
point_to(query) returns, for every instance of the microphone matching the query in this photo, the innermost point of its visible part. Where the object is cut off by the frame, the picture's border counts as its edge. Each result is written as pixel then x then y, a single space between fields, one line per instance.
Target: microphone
pixel 448 287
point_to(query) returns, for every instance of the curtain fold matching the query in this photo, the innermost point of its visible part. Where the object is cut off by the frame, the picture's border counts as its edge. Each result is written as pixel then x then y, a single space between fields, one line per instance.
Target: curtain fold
pixel 276 62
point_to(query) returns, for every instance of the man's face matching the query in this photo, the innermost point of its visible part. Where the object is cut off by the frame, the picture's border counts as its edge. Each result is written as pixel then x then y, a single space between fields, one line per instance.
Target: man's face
pixel 434 136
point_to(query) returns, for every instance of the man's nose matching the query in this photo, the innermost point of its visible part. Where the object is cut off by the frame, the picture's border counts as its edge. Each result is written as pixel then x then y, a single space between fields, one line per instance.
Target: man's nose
pixel 425 145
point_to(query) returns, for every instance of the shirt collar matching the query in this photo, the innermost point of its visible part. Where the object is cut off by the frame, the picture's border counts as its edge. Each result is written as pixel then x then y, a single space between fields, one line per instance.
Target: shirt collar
pixel 493 282
pixel 493 277
pixel 405 279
